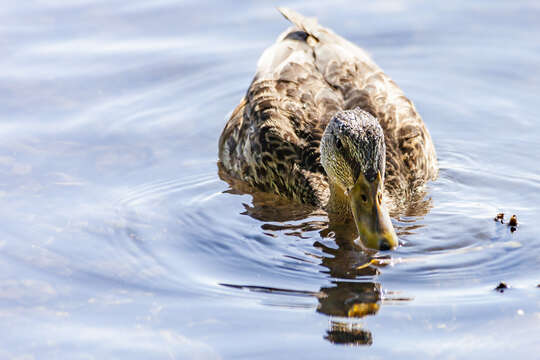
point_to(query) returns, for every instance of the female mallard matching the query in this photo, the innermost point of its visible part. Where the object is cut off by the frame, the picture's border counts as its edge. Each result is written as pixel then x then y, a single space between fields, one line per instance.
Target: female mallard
pixel 322 124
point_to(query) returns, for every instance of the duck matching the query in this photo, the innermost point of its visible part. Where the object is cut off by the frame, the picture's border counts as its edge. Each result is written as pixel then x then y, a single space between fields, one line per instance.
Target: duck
pixel 322 124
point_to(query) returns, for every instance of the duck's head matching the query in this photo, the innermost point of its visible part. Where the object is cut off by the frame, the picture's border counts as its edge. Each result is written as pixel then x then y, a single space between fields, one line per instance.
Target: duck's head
pixel 353 155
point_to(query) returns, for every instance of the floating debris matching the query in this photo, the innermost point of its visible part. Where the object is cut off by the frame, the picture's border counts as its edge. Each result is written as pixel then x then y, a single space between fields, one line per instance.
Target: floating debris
pixel 501 287
pixel 513 222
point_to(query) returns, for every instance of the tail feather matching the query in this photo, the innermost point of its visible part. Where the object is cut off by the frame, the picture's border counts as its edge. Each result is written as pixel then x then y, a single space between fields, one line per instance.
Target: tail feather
pixel 308 25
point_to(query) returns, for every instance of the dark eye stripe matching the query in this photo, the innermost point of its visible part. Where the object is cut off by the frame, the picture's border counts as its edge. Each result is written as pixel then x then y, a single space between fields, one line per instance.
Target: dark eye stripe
pixel 370 174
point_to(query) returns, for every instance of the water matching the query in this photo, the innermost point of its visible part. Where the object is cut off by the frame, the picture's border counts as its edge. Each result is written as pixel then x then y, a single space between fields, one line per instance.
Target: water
pixel 119 240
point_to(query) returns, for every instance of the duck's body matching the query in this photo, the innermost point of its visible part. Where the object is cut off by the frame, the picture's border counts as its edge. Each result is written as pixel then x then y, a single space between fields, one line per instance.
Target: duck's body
pixel 272 139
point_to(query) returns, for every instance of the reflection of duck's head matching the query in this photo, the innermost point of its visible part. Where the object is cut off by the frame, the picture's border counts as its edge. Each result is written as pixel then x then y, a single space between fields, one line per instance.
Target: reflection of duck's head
pixel 350 299
pixel 353 154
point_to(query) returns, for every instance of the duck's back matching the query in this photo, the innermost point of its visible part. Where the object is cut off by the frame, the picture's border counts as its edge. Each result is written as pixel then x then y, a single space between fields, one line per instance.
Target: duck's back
pixel 272 139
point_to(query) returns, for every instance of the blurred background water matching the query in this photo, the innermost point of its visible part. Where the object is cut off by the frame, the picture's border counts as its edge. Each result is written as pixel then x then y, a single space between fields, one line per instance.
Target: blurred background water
pixel 118 239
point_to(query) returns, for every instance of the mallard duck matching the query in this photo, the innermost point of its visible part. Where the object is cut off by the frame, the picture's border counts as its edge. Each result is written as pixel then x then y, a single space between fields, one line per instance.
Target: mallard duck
pixel 322 124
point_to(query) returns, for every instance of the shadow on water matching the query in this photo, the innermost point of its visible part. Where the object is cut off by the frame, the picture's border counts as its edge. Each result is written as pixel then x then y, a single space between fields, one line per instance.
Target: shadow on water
pixel 354 292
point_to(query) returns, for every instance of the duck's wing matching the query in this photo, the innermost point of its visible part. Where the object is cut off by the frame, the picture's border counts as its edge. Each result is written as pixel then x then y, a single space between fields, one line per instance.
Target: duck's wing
pixel 272 138
pixel 411 157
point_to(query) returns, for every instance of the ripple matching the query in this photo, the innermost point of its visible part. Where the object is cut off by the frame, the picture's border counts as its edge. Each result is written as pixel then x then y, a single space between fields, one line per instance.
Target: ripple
pixel 162 188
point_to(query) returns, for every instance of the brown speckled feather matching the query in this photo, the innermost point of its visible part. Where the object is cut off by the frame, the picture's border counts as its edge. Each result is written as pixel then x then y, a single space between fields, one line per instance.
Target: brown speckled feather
pixel 272 138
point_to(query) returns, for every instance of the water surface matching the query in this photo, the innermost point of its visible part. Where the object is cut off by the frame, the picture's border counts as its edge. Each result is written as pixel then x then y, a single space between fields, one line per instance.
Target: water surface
pixel 119 240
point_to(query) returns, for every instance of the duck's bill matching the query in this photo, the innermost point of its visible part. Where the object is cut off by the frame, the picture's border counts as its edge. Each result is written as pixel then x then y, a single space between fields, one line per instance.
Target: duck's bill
pixel 370 215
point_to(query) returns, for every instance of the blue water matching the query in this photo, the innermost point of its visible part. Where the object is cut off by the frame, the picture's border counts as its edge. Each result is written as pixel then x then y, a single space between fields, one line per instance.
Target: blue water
pixel 119 240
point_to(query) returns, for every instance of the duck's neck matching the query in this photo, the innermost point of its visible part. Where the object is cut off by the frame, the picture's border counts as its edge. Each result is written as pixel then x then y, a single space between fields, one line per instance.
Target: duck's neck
pixel 339 205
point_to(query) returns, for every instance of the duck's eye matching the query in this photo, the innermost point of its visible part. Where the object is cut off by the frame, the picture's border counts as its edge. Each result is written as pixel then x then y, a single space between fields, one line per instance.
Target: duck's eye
pixel 339 145
pixel 364 198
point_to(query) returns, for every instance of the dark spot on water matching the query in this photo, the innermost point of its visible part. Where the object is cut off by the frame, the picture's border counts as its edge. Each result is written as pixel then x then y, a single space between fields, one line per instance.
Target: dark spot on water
pixel 513 221
pixel 501 287
pixel 499 217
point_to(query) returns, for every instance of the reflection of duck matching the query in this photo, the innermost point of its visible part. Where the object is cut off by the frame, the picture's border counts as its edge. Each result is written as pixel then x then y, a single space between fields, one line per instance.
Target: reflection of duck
pixel 348 334
pixel 350 299
pixel 322 124
pixel 347 300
